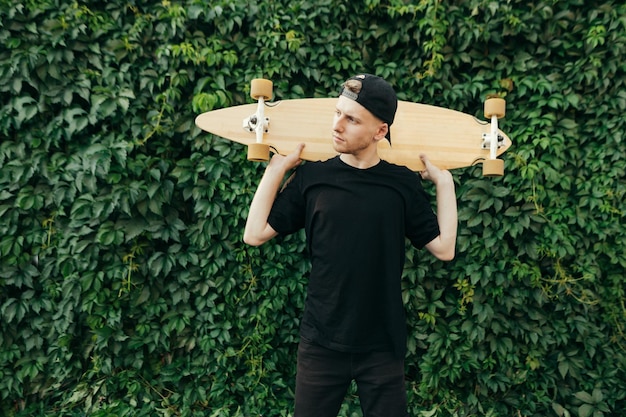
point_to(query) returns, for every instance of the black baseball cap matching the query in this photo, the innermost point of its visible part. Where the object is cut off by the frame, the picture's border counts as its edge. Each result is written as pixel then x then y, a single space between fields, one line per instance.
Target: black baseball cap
pixel 377 96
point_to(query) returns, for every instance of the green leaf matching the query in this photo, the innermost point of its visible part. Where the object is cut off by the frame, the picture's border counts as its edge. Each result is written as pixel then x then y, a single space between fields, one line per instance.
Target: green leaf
pixel 584 397
pixel 26 108
pixel 585 410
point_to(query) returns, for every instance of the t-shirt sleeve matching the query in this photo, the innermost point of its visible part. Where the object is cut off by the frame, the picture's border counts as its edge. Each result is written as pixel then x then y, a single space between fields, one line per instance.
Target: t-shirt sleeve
pixel 288 211
pixel 421 222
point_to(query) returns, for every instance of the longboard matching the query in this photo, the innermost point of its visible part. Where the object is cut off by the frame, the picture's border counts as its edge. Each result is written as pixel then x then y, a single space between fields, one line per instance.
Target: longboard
pixel 450 138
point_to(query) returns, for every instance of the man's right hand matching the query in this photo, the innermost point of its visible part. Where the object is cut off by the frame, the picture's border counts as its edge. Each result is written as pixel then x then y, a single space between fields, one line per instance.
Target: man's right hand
pixel 287 162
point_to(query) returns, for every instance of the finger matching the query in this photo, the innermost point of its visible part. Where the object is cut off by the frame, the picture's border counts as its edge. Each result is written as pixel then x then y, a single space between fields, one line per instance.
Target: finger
pixel 426 161
pixel 296 153
pixel 293 159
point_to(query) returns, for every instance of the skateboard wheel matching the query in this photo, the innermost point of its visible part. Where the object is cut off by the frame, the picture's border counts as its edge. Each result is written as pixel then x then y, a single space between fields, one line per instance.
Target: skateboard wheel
pixel 495 107
pixel 260 87
pixel 258 152
pixel 493 168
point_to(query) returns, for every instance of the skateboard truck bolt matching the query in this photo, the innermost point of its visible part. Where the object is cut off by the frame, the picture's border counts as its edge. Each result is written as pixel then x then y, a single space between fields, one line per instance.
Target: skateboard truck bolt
pixel 250 124
pixel 487 141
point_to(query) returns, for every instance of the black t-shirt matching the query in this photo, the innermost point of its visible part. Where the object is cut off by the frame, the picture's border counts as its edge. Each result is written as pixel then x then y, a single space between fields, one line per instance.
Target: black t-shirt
pixel 356 222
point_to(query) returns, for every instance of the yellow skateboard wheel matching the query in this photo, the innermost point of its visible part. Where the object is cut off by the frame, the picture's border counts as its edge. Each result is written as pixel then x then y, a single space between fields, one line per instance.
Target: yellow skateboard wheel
pixel 493 167
pixel 258 152
pixel 260 87
pixel 495 107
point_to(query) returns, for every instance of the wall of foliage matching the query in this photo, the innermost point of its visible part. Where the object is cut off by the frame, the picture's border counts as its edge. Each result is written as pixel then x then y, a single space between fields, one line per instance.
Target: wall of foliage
pixel 126 290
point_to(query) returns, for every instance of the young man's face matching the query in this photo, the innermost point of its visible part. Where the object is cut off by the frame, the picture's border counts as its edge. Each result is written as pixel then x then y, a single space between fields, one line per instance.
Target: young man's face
pixel 354 128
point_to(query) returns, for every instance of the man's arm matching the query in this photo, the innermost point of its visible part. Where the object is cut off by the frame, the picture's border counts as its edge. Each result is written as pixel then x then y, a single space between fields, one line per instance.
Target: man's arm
pixel 443 246
pixel 258 230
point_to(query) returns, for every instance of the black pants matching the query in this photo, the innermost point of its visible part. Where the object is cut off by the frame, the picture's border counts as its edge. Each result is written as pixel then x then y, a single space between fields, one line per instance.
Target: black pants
pixel 324 376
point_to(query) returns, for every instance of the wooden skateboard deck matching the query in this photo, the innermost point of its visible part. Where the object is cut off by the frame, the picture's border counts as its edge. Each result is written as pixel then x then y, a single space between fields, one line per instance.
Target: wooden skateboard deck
pixel 451 139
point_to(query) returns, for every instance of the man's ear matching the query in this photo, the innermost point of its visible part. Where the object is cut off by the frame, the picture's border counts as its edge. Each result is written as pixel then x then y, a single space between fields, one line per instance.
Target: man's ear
pixel 381 132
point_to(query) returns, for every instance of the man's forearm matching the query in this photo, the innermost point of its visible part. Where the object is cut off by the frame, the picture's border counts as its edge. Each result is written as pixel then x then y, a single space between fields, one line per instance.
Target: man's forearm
pixel 447 214
pixel 258 230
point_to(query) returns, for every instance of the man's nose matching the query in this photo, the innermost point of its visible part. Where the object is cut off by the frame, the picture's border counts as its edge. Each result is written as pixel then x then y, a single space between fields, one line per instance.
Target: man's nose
pixel 337 124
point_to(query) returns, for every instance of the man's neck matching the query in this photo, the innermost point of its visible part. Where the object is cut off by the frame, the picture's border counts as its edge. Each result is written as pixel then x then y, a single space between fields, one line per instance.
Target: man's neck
pixel 360 161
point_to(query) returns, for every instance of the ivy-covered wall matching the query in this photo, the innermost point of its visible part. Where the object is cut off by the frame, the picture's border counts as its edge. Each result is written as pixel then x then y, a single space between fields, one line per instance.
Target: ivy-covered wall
pixel 126 290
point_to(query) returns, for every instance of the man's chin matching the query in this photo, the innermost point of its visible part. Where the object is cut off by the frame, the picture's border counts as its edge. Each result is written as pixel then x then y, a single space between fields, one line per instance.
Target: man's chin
pixel 339 147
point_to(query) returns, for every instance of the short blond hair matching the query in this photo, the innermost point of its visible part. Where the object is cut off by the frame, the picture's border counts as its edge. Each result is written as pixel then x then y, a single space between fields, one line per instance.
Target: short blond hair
pixel 353 85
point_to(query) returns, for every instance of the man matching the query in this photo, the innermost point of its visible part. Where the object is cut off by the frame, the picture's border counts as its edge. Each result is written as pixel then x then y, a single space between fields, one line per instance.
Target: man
pixel 357 210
